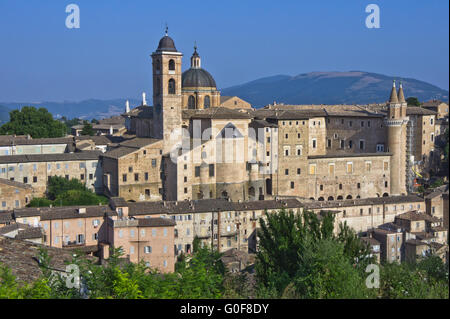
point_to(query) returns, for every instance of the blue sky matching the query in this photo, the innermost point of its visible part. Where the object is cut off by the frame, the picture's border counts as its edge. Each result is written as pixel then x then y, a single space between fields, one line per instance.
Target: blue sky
pixel 239 41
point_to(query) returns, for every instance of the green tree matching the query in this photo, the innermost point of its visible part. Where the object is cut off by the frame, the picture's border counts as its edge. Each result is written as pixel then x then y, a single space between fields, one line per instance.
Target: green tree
pixel 301 256
pixel 38 123
pixel 413 101
pixel 87 129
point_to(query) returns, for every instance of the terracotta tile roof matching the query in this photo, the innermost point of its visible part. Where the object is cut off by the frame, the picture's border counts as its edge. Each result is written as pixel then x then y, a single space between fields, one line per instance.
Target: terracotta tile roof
pixel 415 110
pixel 9 140
pixel 22 258
pixel 61 157
pixel 215 113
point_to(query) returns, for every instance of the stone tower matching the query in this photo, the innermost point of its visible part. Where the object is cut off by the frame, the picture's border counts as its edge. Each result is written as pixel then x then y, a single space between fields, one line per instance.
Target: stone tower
pixel 167 96
pixel 395 123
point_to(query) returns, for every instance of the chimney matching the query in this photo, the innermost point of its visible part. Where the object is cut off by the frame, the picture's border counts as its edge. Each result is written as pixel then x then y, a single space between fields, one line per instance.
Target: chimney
pixel 144 101
pixel 127 106
pixel 111 131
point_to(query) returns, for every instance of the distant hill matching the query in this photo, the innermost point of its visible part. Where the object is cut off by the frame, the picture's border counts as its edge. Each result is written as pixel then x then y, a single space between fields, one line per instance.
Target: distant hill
pixel 310 88
pixel 4 114
pixel 352 87
pixel 87 109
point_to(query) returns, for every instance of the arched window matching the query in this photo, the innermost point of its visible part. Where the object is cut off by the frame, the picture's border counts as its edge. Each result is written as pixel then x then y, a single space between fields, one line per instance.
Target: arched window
pixel 340 197
pixel 171 86
pixel 224 194
pixel 191 102
pixel 349 197
pixel 321 199
pixel 171 65
pixel 385 195
pixel 207 102
pixel 330 198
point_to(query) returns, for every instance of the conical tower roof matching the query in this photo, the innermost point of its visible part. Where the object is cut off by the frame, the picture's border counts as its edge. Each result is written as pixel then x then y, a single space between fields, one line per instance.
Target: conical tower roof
pixel 394 97
pixel 401 95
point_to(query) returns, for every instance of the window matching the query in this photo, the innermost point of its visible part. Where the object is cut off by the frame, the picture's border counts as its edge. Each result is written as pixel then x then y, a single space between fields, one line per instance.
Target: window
pixel 342 143
pixel 312 169
pixel 171 65
pixel 287 136
pixel 380 148
pixel 350 123
pixel 362 123
pixel 197 171
pixel 349 167
pixel 286 172
pixel 147 249
pixel 35 179
pixel 331 169
pixel 153 162
pixel 211 170
pixel 314 143
pixel 368 166
pixel 361 144
pixel 154 232
pixel 25 180
pixel 191 102
pixel 350 144
pixel 124 177
pixel 385 166
pixel 136 177
pixel 147 192
pixel 287 150
pixel 82 177
pixel 298 171
pixel 91 176
pixel 321 187
pixel 340 186
pixel 82 165
pixel 358 185
pixel 292 185
pixel 299 150
pixel 171 86
pixel 207 102
pixel 329 143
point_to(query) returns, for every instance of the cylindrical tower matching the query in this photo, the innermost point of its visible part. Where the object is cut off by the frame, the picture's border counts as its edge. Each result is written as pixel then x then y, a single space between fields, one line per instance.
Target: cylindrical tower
pixel 395 123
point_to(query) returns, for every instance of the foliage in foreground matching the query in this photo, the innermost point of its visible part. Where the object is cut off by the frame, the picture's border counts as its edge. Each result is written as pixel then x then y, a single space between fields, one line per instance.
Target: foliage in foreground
pixel 305 260
pixel 301 257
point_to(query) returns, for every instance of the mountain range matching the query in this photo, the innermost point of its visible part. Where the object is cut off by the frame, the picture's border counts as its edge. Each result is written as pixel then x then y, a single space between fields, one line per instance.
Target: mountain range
pixel 353 87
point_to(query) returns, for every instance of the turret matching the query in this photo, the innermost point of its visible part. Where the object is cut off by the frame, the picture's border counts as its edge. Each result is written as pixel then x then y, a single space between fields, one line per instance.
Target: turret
pixel 395 123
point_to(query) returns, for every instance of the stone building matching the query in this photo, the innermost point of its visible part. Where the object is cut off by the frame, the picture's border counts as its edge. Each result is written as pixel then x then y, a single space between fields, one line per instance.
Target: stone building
pixel 441 108
pixel 35 169
pixel 25 145
pixel 14 194
pixel 132 170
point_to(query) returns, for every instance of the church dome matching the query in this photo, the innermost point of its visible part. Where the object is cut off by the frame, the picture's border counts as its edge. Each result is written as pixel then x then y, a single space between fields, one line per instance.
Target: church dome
pixel 197 77
pixel 166 44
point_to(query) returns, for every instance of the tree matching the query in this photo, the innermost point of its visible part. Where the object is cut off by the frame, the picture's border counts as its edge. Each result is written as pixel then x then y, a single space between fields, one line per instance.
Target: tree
pixel 38 123
pixel 87 129
pixel 63 192
pixel 413 101
pixel 301 256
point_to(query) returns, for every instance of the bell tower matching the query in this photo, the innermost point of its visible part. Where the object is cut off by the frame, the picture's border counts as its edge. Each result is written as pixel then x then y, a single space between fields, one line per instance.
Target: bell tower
pixel 167 96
